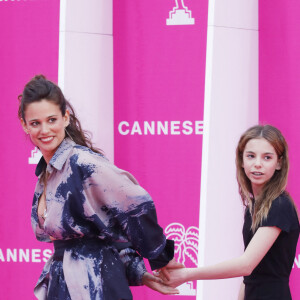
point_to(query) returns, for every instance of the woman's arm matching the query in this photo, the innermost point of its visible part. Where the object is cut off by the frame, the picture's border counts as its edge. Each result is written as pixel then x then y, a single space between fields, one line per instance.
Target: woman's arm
pixel 243 265
pixel 118 204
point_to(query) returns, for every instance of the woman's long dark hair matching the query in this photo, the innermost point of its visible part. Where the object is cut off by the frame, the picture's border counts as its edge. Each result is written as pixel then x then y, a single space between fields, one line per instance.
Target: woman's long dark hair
pixel 39 88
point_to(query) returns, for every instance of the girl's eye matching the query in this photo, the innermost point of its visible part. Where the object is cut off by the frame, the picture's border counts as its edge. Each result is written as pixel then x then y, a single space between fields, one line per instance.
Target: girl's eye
pixel 250 155
pixel 52 120
pixel 34 124
pixel 267 157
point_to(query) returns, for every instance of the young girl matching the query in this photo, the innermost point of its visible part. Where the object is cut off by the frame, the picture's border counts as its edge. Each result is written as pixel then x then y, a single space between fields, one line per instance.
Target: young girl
pixel 271 225
pixel 96 215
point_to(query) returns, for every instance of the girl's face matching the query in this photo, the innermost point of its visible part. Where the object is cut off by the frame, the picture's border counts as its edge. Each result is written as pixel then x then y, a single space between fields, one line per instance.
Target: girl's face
pixel 260 162
pixel 45 124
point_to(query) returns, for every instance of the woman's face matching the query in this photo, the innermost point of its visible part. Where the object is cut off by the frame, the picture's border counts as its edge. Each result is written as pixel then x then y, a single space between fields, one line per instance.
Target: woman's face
pixel 260 162
pixel 45 124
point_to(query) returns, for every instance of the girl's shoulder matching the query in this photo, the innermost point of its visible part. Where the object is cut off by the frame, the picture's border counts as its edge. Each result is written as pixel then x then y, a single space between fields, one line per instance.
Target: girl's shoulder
pixel 283 202
pixel 282 213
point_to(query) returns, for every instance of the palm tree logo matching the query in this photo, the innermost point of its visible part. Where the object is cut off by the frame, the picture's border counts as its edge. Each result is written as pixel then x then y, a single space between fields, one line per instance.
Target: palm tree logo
pixel 186 241
pixel 186 246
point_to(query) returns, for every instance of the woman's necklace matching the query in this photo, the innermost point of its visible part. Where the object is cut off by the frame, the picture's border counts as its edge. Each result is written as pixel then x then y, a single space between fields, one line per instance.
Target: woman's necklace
pixel 44 215
pixel 42 208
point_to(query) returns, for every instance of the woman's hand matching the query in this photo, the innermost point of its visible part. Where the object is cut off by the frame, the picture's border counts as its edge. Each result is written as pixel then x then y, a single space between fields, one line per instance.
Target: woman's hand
pixel 156 284
pixel 176 276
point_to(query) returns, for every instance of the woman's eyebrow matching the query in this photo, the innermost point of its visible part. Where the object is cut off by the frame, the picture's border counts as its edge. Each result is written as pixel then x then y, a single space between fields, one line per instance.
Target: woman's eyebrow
pixel 47 118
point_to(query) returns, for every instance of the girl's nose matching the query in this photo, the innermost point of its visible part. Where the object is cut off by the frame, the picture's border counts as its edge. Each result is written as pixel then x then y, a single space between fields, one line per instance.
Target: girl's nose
pixel 258 163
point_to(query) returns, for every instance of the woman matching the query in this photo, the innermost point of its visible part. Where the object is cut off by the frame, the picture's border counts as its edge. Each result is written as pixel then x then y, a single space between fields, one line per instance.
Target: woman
pixel 271 226
pixel 96 215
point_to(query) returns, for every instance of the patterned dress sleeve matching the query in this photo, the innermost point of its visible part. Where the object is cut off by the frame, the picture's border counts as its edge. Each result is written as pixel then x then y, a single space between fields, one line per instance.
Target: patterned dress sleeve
pixel 134 264
pixel 114 198
pixel 282 214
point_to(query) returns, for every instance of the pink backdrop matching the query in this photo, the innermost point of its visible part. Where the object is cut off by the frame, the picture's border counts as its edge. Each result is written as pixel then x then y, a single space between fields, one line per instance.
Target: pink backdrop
pixel 29 45
pixel 159 77
pixel 279 93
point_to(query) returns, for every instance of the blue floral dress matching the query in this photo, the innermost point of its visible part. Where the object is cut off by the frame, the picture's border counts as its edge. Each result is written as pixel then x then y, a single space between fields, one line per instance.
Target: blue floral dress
pixel 102 223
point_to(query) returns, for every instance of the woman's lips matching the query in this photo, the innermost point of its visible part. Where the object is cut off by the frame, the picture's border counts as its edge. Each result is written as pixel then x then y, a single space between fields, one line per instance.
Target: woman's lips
pixel 46 139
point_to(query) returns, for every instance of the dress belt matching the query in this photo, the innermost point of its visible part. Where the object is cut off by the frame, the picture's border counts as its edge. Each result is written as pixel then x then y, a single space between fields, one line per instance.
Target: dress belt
pixel 61 245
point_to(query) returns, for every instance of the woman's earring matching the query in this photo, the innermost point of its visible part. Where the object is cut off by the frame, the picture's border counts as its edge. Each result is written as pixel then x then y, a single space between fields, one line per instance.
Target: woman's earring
pixel 68 134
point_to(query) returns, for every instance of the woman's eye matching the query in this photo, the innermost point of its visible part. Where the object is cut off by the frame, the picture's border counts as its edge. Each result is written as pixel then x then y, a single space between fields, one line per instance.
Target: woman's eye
pixel 250 155
pixel 34 124
pixel 52 120
pixel 267 157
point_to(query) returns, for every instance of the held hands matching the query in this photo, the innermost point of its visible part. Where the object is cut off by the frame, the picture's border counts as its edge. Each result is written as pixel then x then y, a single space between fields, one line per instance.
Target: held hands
pixel 162 281
pixel 173 274
pixel 157 284
pixel 176 277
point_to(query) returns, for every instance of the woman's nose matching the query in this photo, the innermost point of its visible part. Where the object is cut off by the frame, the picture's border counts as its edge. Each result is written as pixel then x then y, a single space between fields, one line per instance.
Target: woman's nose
pixel 44 128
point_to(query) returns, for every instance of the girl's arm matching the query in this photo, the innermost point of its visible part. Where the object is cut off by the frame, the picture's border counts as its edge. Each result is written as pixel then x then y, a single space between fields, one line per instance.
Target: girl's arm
pixel 243 265
pixel 242 292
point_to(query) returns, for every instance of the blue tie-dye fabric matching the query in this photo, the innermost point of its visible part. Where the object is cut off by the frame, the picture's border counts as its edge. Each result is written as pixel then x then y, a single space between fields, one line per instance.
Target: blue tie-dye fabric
pixel 97 204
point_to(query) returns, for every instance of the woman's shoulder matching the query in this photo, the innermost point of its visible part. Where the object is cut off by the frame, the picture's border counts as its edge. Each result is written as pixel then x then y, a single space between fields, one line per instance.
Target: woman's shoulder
pixel 85 155
pixel 86 160
pixel 90 163
pixel 85 151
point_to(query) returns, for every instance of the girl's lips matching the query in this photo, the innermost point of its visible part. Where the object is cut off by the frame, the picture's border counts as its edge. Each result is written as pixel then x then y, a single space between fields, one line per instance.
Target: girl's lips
pixel 257 173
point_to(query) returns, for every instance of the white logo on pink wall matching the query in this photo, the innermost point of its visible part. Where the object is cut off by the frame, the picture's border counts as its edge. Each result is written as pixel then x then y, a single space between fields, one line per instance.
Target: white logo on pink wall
pixel 180 15
pixel 35 156
pixel 186 247
pixel 186 127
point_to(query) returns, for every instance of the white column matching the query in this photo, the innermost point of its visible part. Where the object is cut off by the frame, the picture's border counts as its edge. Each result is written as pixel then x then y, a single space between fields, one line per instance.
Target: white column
pixel 231 106
pixel 86 66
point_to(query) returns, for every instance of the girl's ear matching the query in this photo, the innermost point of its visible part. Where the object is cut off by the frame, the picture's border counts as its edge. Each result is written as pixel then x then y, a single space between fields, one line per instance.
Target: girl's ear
pixel 24 126
pixel 279 163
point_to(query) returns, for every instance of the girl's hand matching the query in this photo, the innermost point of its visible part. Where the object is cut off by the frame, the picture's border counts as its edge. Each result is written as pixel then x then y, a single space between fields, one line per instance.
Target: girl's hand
pixel 156 284
pixel 173 264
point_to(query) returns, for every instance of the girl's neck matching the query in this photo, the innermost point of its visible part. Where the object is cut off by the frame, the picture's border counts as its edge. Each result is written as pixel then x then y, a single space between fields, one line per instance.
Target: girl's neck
pixel 256 191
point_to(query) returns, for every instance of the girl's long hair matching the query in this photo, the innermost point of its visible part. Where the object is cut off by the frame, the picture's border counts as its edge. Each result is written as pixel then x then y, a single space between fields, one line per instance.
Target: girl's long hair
pixel 39 88
pixel 260 207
